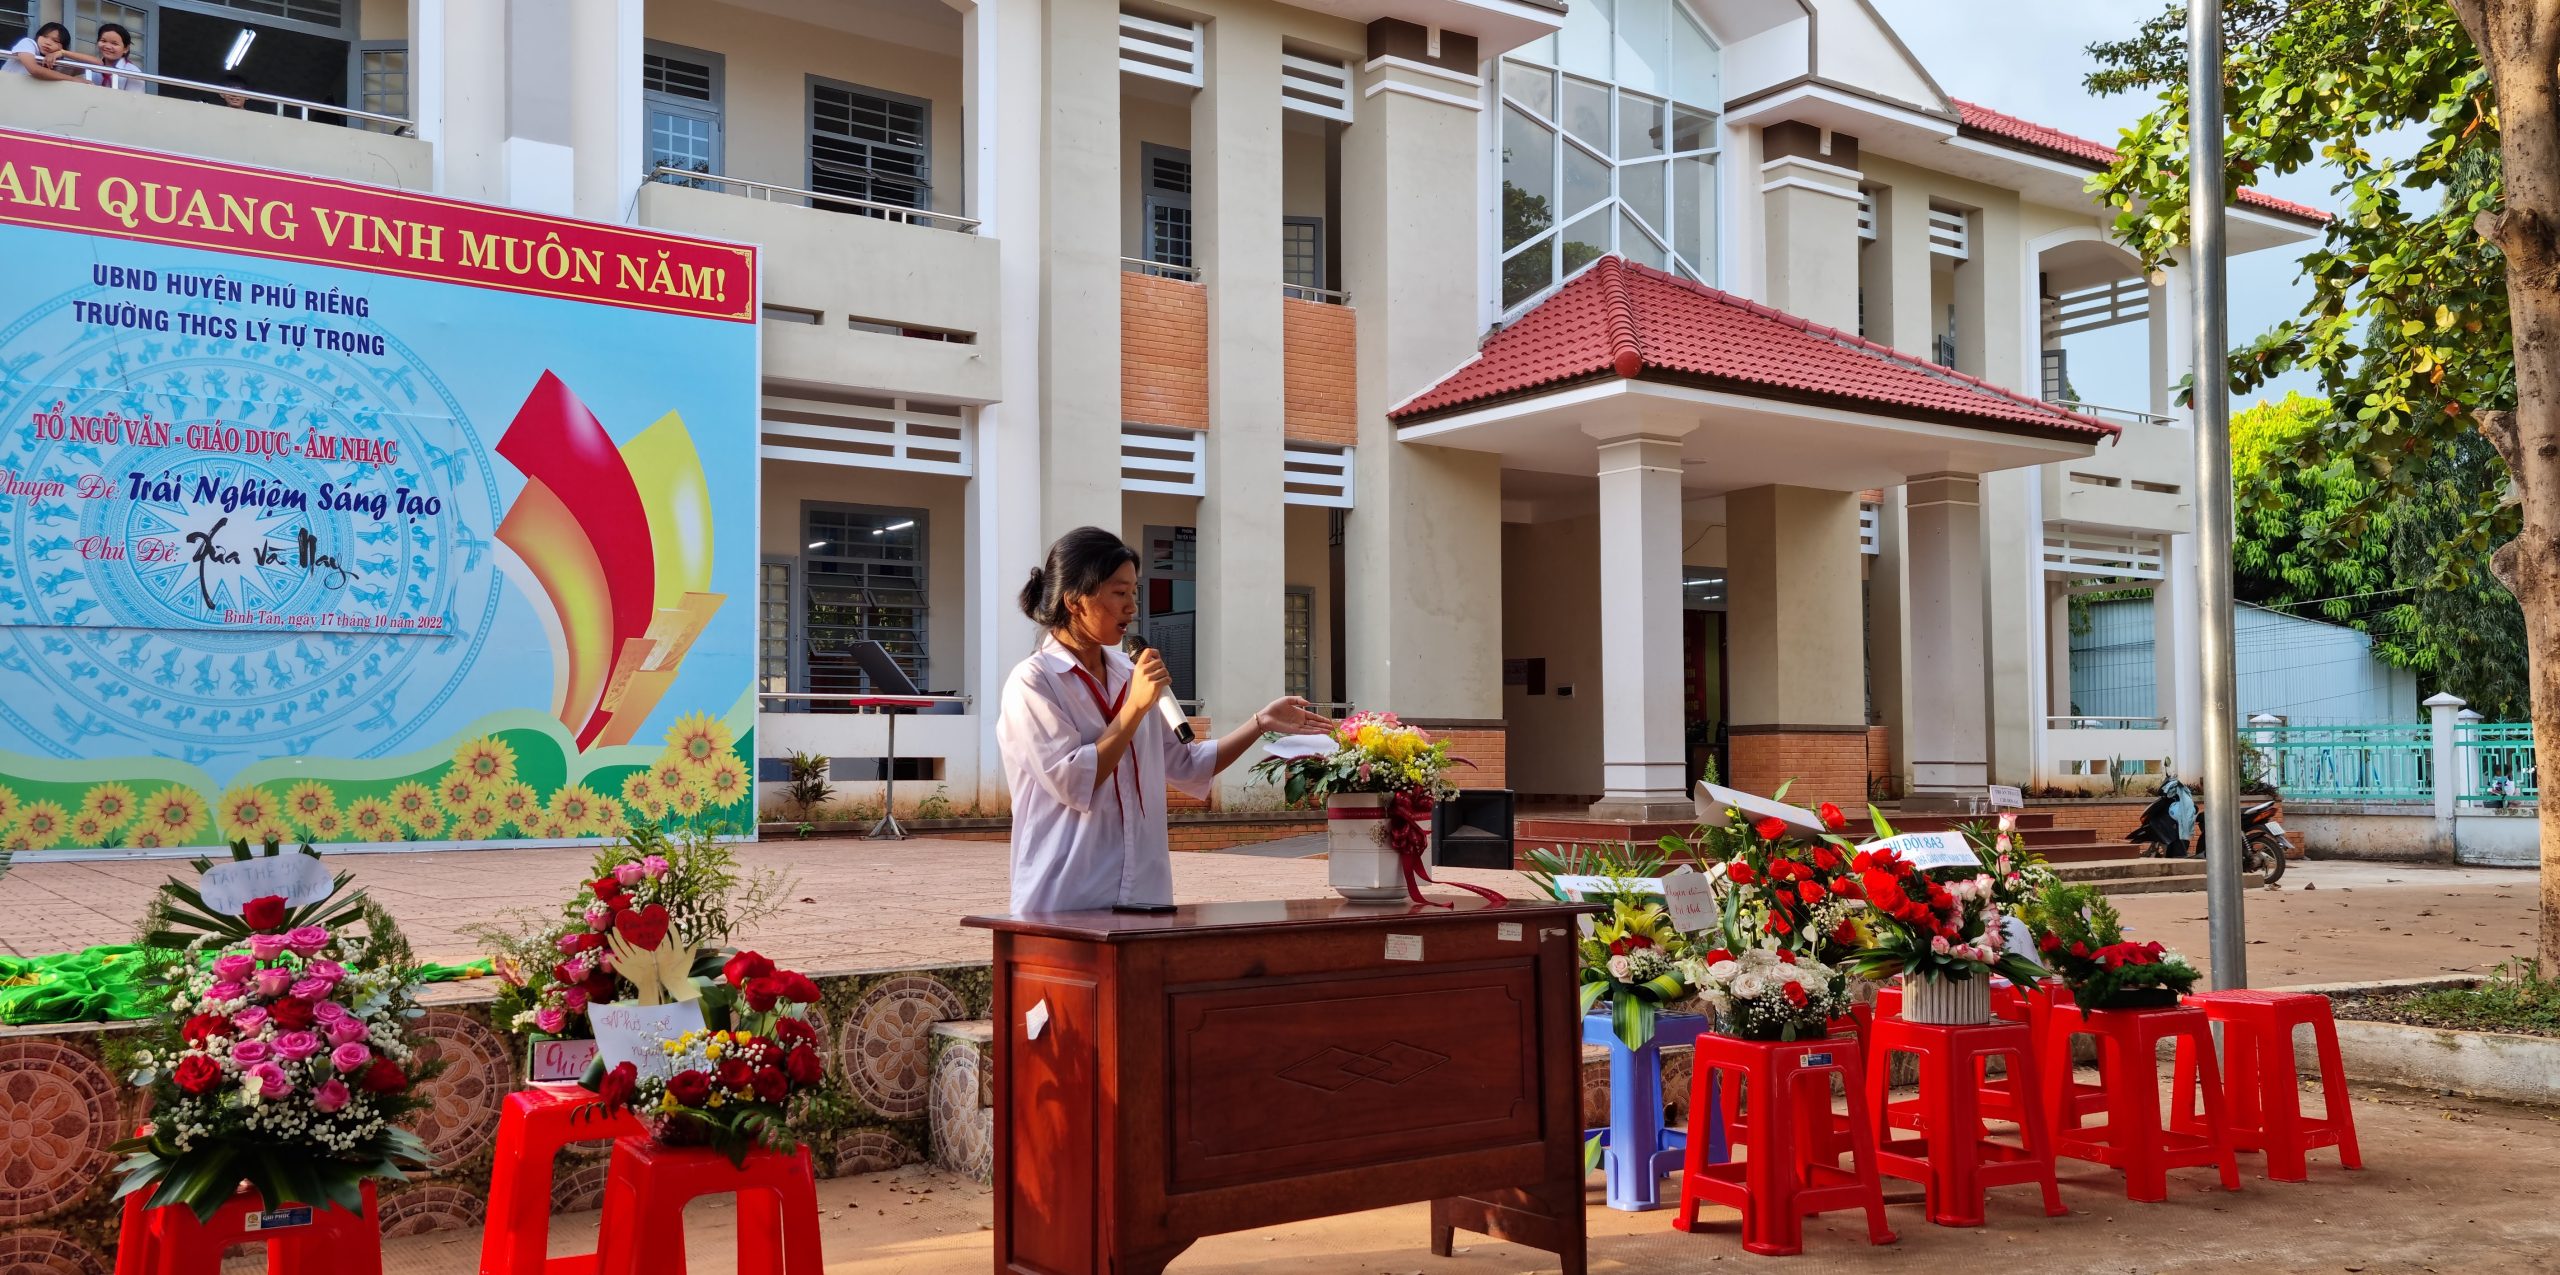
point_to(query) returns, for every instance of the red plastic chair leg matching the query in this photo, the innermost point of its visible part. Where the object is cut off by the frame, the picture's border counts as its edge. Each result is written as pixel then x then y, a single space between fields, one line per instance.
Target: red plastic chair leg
pixel 1863 1125
pixel 2333 1091
pixel 1693 1160
pixel 1771 1226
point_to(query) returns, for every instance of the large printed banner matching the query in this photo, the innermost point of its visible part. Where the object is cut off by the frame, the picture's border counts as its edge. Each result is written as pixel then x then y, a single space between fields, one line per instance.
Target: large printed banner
pixel 337 513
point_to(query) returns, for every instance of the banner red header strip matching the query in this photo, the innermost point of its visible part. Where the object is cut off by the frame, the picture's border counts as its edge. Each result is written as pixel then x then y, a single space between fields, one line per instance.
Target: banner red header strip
pixel 59 184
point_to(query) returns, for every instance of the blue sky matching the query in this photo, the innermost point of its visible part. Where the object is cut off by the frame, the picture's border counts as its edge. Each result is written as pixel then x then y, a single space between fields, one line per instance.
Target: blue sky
pixel 2027 57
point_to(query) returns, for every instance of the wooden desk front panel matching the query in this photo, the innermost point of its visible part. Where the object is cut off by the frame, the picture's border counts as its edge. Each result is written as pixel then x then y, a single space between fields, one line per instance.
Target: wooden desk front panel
pixel 1278 1078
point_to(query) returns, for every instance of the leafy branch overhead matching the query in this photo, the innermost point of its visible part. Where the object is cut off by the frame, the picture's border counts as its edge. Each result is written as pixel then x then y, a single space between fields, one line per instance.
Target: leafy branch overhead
pixel 2406 326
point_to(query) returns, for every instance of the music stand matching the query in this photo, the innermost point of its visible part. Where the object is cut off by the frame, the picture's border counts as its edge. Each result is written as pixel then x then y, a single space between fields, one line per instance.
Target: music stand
pixel 891 693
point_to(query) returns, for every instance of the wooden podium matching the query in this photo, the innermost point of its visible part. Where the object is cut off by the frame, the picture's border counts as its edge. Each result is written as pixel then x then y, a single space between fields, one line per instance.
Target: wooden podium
pixel 1236 1065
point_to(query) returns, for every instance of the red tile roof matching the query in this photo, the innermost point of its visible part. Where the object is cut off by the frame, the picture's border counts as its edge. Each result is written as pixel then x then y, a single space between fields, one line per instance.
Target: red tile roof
pixel 1620 319
pixel 2061 145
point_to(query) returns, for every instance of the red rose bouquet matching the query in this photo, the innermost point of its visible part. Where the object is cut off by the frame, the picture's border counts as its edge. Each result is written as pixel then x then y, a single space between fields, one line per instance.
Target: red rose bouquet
pixel 1944 922
pixel 1783 886
pixel 729 1086
pixel 284 1057
pixel 2082 938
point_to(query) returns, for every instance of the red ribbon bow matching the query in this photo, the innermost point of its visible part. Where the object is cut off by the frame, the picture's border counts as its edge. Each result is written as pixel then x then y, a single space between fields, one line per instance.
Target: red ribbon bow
pixel 1409 835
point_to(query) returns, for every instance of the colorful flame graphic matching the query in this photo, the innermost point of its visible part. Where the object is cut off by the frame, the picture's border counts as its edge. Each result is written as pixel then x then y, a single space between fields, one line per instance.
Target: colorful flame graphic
pixel 619 540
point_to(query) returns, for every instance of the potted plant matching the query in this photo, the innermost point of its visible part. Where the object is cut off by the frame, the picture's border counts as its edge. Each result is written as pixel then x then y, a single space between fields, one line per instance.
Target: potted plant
pixel 1767 993
pixel 1380 784
pixel 2082 938
pixel 1936 918
pixel 1632 956
pixel 282 1063
pixel 729 1086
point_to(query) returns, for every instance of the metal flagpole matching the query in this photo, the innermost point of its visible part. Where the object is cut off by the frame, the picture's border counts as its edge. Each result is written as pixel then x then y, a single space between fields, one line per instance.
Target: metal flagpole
pixel 2220 826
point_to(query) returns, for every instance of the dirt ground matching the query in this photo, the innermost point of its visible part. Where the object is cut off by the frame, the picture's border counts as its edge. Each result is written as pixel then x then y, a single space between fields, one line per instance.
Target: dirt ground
pixel 2332 921
pixel 2449 1186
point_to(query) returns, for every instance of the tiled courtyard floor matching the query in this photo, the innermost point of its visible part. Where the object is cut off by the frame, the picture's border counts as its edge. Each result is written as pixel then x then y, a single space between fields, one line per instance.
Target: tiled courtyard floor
pixel 859 905
pixel 2449 1187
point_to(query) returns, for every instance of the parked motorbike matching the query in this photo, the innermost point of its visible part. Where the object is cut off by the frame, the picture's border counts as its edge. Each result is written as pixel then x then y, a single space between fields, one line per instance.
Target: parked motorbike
pixel 2174 818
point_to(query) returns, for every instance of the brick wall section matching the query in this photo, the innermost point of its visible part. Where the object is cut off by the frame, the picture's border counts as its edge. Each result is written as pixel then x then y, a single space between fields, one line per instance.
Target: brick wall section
pixel 1879 757
pixel 1164 352
pixel 1316 342
pixel 1825 765
pixel 1174 798
pixel 1489 747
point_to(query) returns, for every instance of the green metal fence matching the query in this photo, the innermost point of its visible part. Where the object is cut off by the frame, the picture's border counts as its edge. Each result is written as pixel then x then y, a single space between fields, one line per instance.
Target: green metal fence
pixel 2346 763
pixel 2495 762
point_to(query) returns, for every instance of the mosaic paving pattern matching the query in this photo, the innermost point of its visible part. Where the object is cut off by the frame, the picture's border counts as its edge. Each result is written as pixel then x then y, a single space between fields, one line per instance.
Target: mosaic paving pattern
pixel 41 1252
pixel 479 1072
pixel 58 1114
pixel 871 1151
pixel 963 1125
pixel 883 1045
pixel 431 1206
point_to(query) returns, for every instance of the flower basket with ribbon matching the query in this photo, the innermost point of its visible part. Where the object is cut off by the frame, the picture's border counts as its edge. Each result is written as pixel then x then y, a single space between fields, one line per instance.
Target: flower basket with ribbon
pixel 1381 782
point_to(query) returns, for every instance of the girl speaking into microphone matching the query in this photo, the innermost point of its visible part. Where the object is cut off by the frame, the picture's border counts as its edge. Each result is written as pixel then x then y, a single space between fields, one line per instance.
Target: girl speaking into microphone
pixel 1086 752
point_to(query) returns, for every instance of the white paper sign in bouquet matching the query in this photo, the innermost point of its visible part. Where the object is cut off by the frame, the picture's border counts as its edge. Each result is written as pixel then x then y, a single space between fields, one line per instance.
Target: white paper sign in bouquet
pixel 1926 850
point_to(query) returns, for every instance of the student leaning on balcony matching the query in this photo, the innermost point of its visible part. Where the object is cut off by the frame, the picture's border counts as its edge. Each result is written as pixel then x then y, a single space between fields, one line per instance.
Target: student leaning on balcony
pixel 115 49
pixel 1087 754
pixel 37 55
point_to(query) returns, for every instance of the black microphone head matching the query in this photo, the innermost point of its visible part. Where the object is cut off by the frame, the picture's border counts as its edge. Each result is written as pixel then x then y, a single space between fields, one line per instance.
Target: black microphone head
pixel 1134 643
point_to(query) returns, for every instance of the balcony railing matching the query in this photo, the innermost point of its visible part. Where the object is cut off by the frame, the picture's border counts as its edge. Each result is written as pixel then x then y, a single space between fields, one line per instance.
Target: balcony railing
pixel 1321 296
pixel 770 192
pixel 295 107
pixel 2083 721
pixel 1159 269
pixel 2121 415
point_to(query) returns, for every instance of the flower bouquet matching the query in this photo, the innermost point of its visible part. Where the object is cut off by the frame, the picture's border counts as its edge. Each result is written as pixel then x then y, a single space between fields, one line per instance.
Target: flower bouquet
pixel 2083 940
pixel 1380 782
pixel 1632 957
pixel 645 887
pixel 1943 928
pixel 1779 889
pixel 1764 993
pixel 283 1059
pixel 728 1086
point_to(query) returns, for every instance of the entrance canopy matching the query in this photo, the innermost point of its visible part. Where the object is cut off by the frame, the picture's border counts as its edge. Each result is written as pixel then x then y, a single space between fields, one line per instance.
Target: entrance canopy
pixel 1757 397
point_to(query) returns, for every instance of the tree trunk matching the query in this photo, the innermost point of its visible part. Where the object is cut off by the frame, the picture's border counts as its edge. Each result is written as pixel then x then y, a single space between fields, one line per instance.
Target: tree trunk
pixel 2519 43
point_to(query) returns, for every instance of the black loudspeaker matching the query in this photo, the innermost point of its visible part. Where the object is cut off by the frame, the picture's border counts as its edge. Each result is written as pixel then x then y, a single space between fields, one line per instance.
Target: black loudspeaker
pixel 1473 830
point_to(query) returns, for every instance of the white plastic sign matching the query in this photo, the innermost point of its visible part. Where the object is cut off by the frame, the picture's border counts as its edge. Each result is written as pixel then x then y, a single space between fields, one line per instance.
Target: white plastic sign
pixel 1691 899
pixel 2007 797
pixel 638 1034
pixel 1714 801
pixel 1579 888
pixel 1926 850
pixel 228 887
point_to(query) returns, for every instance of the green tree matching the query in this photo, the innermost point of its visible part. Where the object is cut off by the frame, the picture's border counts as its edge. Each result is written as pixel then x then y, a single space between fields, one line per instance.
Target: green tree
pixel 2293 493
pixel 2435 303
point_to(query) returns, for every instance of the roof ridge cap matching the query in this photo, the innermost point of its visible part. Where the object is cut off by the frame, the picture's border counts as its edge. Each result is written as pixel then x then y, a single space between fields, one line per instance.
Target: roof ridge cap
pixel 1626 351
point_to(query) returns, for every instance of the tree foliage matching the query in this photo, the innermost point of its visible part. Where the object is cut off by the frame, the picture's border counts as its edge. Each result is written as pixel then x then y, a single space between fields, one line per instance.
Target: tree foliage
pixel 2464 635
pixel 2406 326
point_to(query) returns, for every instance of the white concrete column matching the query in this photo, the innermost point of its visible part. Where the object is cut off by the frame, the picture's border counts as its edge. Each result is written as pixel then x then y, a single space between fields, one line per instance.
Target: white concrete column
pixel 1001 69
pixel 461 79
pixel 1423 551
pixel 1642 724
pixel 1235 184
pixel 606 124
pixel 1078 338
pixel 1793 640
pixel 2057 646
pixel 2441 710
pixel 1949 754
pixel 2180 697
pixel 1809 191
pixel 1889 625
pixel 538 158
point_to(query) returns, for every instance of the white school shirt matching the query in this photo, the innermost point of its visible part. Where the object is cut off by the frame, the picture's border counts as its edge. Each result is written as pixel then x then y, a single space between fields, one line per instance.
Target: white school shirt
pixel 11 65
pixel 105 76
pixel 1076 847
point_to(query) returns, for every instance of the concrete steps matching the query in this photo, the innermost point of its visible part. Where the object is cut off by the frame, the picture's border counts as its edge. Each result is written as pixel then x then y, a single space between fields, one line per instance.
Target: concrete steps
pixel 2143 876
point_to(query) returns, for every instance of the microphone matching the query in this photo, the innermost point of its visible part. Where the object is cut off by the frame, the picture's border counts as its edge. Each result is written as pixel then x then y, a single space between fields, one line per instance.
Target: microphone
pixel 1136 645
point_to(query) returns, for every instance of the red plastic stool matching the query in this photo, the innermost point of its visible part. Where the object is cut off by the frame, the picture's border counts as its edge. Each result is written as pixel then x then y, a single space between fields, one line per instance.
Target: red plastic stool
pixel 2030 1005
pixel 1830 1139
pixel 300 1241
pixel 533 1126
pixel 2261 1088
pixel 1782 1177
pixel 1952 1156
pixel 2134 1138
pixel 649 1185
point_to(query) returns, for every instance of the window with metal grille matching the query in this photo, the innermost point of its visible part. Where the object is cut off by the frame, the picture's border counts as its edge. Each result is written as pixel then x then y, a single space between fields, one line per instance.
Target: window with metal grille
pixel 681 90
pixel 1168 202
pixel 1297 644
pixel 869 145
pixel 773 625
pixel 88 15
pixel 327 13
pixel 862 578
pixel 1302 252
pixel 17 17
pixel 382 83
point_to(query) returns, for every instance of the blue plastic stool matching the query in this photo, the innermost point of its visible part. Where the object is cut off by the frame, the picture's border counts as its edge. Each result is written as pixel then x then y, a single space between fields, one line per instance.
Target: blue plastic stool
pixel 1637 1148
